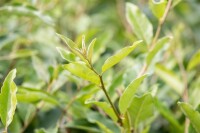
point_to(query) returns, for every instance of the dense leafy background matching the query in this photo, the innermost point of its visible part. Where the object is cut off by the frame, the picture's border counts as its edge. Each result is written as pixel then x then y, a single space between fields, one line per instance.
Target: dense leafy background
pixel 50 99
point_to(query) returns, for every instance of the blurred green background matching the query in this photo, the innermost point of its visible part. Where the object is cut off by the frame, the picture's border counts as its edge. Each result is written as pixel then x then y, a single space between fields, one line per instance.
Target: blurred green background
pixel 28 43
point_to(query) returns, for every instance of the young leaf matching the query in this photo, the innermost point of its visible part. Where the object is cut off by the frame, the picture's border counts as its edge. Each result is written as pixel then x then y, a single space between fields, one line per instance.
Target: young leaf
pixel 66 55
pixel 71 45
pixel 158 7
pixel 193 115
pixel 139 23
pixel 73 48
pixel 194 61
pixel 90 50
pixel 81 70
pixel 159 45
pixel 127 97
pixel 170 78
pixel 141 109
pixel 111 61
pixel 8 100
pixel 105 107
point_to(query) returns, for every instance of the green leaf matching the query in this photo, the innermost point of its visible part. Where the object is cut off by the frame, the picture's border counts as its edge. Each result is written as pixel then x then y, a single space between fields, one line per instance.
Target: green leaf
pixel 159 45
pixel 139 23
pixel 105 107
pixel 87 92
pixel 104 128
pixel 126 123
pixel 193 115
pixel 141 109
pixel 41 130
pixel 16 124
pixel 73 47
pixel 83 125
pixel 175 2
pixel 106 125
pixel 111 61
pixel 82 71
pixel 47 130
pixel 26 10
pixel 195 60
pixel 90 50
pixel 127 96
pixel 66 55
pixel 28 95
pixel 8 100
pixel 158 7
pixel 170 78
pixel 191 128
pixel 168 115
pixel 146 130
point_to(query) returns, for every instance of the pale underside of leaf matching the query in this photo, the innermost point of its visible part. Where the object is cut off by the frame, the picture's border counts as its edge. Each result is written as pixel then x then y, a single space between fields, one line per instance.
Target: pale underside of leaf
pixel 90 50
pixel 66 55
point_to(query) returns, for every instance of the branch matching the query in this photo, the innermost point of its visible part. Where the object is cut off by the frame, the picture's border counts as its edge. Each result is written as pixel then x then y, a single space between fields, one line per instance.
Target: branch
pixel 106 93
pixel 109 100
pixel 153 43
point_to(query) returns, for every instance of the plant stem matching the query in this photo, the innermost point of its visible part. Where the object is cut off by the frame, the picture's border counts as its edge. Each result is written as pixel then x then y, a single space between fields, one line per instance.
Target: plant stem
pixel 5 130
pixel 106 93
pixel 160 24
pixel 153 43
pixel 109 100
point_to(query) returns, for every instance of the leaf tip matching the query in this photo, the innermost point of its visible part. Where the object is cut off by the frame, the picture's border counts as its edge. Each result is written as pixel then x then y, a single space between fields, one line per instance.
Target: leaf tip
pixel 58 34
pixel 14 70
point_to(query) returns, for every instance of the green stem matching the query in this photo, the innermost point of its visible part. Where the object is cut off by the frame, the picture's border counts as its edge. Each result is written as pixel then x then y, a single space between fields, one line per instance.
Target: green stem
pixel 105 92
pixel 109 100
pixel 153 43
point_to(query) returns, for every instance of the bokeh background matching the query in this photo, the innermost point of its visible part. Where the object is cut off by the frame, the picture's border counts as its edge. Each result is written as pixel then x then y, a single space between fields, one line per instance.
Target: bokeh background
pixel 28 43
